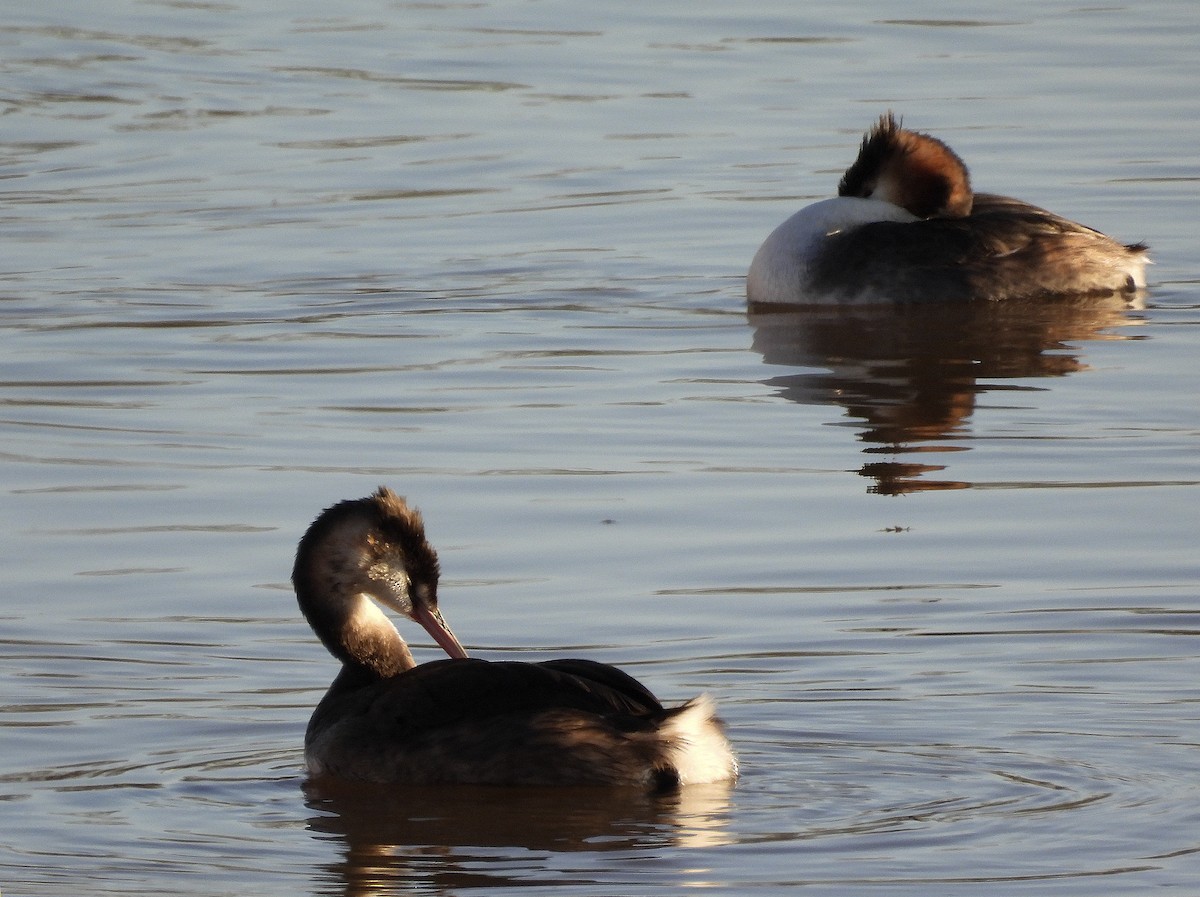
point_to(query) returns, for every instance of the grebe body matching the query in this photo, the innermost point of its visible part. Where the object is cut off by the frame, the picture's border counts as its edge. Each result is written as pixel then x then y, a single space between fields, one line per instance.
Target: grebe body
pixel 906 226
pixel 387 719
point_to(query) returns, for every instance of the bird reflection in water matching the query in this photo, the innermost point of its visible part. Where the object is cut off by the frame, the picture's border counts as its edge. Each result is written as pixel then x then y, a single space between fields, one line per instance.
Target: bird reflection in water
pixel 443 839
pixel 911 373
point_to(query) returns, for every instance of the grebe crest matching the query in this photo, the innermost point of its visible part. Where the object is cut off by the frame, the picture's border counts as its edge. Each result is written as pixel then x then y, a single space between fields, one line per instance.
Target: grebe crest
pixel 912 170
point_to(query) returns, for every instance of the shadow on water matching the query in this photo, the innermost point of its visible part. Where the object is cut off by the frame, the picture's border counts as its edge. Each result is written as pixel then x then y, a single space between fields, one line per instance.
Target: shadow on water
pixel 467 836
pixel 911 373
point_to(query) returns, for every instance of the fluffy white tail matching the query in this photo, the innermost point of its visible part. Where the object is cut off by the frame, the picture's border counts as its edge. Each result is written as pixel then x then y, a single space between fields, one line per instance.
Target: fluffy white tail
pixel 700 750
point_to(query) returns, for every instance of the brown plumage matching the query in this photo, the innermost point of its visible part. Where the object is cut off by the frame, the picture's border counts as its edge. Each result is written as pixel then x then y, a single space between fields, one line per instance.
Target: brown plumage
pixel 1005 249
pixel 915 171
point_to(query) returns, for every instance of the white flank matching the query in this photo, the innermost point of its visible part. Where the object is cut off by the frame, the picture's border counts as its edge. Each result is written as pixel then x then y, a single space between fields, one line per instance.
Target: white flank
pixel 779 272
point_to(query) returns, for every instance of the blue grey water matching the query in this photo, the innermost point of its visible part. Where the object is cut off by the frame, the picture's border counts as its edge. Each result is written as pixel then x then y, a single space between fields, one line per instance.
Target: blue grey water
pixel 939 571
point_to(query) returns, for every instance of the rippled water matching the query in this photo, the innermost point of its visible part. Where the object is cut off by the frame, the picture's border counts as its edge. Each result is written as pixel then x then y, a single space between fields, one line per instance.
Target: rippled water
pixel 938 569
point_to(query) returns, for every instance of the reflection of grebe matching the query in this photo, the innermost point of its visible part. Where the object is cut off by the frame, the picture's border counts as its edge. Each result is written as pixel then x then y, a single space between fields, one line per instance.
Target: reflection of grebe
pixel 906 226
pixel 386 719
pixel 909 375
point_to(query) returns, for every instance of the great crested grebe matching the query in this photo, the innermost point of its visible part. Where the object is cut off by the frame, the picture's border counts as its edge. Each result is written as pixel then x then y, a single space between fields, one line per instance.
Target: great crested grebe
pixel 905 226
pixel 387 719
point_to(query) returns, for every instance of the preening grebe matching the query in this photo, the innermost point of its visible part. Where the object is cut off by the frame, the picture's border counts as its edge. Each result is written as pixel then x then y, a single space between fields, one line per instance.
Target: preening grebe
pixel 386 719
pixel 906 226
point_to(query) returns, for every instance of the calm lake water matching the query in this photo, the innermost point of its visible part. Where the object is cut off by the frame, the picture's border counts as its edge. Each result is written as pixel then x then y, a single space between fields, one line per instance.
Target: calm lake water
pixel 938 570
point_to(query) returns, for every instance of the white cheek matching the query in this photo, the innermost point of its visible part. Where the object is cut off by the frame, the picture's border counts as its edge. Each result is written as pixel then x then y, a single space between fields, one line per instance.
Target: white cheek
pixel 367 617
pixel 392 588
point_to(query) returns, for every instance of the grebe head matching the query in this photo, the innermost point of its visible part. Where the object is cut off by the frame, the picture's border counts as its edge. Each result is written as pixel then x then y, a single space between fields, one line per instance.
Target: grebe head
pixel 363 549
pixel 914 171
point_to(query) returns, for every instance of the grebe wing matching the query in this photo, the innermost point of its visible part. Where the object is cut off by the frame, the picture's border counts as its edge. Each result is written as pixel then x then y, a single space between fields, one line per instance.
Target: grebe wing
pixel 447 693
pixel 1004 248
pixel 615 684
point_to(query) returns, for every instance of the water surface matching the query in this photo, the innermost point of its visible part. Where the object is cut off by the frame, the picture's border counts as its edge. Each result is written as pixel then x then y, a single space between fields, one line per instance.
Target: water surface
pixel 938 570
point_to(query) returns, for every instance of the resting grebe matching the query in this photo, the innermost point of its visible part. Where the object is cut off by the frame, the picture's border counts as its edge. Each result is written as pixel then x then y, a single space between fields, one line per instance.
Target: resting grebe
pixel 906 226
pixel 386 719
